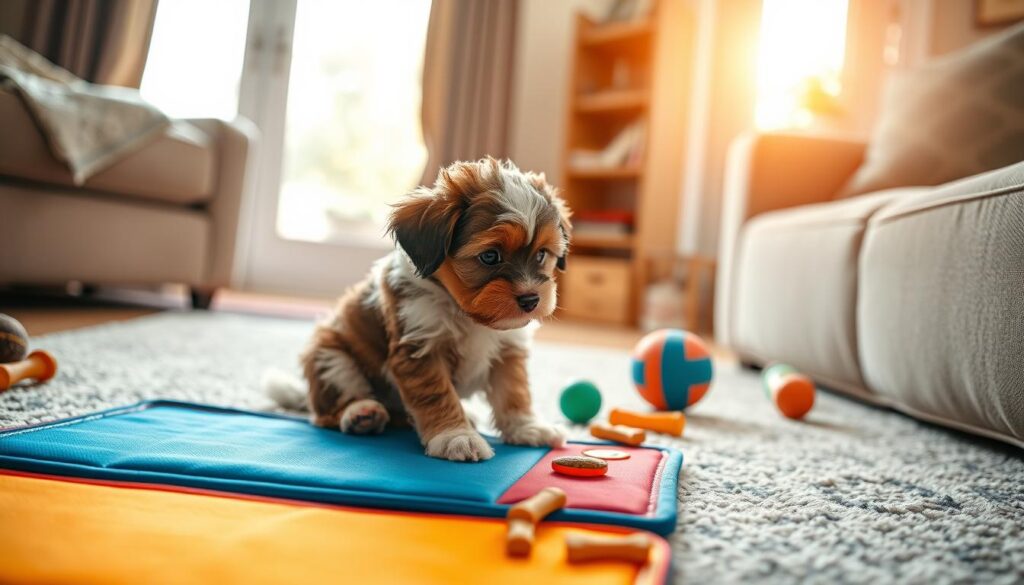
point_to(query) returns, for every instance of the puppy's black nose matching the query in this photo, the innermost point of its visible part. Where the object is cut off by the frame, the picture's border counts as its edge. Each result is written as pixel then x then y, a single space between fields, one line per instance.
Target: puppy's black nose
pixel 528 302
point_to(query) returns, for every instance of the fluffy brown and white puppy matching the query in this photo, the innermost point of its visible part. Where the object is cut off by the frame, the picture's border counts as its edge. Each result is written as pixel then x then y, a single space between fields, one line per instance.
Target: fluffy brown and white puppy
pixel 445 315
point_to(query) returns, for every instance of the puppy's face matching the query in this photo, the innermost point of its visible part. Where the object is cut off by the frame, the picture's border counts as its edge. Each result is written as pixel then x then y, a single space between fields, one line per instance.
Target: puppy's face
pixel 492 235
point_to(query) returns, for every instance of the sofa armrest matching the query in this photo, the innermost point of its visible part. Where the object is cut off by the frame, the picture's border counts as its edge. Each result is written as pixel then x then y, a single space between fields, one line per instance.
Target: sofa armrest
pixel 765 172
pixel 236 156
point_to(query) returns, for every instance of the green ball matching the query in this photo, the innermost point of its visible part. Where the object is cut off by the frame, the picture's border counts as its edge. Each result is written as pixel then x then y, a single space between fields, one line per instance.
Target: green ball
pixel 580 401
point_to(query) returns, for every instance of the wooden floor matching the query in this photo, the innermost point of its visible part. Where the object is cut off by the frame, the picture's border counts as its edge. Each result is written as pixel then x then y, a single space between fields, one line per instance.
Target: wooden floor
pixel 40 321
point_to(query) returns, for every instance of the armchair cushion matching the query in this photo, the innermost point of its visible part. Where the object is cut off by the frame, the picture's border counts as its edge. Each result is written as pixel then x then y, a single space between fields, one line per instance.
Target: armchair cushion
pixel 179 167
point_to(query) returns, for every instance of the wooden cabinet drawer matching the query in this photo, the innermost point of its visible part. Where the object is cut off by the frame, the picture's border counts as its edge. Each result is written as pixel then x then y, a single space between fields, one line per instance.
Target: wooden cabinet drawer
pixel 597 289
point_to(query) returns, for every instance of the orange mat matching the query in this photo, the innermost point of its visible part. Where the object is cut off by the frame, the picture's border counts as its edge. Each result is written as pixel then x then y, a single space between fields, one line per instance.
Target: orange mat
pixel 93 532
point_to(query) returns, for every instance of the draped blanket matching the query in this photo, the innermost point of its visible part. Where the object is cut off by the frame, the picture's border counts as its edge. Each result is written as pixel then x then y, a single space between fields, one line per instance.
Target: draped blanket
pixel 86 126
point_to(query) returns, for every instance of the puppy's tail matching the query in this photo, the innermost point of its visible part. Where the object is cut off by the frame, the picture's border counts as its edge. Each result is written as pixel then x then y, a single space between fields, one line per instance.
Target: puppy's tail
pixel 285 390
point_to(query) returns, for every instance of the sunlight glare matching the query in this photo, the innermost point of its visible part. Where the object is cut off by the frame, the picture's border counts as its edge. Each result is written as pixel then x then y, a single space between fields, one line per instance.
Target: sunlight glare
pixel 801 51
pixel 195 58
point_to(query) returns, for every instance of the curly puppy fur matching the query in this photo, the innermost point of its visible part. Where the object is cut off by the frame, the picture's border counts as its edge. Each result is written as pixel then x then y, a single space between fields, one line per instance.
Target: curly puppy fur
pixel 445 314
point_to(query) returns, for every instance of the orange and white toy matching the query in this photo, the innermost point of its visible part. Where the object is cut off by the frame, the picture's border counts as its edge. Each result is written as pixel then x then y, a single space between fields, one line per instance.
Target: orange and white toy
pixel 670 423
pixel 39 366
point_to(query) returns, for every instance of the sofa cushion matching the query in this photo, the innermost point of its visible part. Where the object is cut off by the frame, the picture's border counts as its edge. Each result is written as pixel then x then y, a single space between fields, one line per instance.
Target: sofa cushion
pixel 178 167
pixel 957 116
pixel 61 235
pixel 795 288
pixel 941 304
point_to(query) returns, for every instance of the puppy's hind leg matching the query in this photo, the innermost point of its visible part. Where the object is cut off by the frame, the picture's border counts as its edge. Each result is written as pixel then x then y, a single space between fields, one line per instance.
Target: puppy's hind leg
pixel 340 395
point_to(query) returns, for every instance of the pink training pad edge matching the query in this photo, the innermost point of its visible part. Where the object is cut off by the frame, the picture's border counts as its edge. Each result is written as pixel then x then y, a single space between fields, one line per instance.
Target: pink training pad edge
pixel 628 488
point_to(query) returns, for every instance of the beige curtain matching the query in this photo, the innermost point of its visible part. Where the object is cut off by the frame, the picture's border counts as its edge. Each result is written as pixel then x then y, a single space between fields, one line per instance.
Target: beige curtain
pixel 467 80
pixel 102 41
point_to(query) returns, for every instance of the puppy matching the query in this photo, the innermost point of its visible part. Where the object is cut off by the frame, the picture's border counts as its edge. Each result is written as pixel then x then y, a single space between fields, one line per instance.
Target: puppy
pixel 445 315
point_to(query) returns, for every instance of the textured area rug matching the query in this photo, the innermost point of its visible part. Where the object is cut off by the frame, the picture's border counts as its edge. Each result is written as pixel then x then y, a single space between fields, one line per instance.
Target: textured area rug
pixel 852 495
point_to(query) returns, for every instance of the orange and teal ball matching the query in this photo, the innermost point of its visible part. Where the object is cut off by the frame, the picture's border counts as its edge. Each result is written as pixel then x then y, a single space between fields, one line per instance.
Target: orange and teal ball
pixel 672 369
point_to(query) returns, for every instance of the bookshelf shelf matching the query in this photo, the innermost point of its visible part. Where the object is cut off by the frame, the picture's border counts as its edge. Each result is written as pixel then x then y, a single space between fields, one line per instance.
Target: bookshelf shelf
pixel 624 242
pixel 612 101
pixel 611 36
pixel 614 173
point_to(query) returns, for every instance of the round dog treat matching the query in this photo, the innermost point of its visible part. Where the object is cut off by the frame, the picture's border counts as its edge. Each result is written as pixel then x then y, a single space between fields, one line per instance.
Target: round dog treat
pixel 13 340
pixel 606 454
pixel 580 466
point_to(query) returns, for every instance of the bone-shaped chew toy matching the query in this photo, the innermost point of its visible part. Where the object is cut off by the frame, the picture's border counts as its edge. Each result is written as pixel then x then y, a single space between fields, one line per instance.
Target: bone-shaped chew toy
pixel 618 433
pixel 634 548
pixel 39 365
pixel 670 423
pixel 524 516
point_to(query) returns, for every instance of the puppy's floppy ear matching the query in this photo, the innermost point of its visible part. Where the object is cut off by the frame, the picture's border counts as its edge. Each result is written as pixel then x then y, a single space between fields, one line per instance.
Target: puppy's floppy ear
pixel 423 224
pixel 539 182
pixel 566 228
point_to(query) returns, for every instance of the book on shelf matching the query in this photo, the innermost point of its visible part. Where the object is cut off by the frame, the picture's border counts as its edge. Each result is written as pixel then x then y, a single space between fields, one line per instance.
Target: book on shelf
pixel 625 149
pixel 598 223
pixel 598 230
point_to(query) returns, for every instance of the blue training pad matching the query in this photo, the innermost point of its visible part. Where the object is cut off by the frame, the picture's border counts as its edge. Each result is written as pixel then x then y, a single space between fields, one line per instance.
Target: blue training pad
pixel 248 447
pixel 206 447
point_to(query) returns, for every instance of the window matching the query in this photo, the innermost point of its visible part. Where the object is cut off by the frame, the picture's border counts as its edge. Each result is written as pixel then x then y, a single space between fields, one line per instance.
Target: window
pixel 353 139
pixel 799 61
pixel 195 58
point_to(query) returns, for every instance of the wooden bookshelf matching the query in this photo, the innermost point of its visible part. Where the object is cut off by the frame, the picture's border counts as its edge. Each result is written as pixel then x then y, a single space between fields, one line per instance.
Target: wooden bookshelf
pixel 623 74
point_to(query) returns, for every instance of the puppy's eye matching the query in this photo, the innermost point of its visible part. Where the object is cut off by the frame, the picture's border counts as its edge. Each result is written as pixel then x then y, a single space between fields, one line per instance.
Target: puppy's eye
pixel 490 257
pixel 541 255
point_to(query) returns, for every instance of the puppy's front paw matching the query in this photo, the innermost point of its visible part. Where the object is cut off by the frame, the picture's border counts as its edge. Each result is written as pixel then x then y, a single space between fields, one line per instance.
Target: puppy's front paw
pixel 459 445
pixel 364 417
pixel 528 430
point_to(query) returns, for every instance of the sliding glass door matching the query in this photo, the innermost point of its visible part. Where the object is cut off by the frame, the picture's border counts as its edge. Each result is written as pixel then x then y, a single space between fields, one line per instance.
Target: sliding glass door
pixel 334 86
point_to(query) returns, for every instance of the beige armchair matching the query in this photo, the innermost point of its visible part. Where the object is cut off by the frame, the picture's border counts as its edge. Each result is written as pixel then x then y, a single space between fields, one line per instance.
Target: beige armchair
pixel 167 213
pixel 910 298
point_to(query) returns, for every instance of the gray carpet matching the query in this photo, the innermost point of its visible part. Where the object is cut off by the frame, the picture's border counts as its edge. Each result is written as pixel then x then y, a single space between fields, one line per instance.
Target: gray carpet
pixel 853 495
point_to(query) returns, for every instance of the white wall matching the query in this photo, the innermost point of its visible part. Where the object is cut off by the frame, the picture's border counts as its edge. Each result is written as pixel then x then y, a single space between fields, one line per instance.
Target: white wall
pixel 953 26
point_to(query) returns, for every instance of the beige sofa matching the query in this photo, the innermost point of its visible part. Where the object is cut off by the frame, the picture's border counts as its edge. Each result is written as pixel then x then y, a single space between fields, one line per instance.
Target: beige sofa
pixel 167 213
pixel 910 298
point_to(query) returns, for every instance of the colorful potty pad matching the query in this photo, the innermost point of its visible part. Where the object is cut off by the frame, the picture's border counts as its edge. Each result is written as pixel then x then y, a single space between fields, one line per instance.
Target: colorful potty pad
pixel 86 531
pixel 195 446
